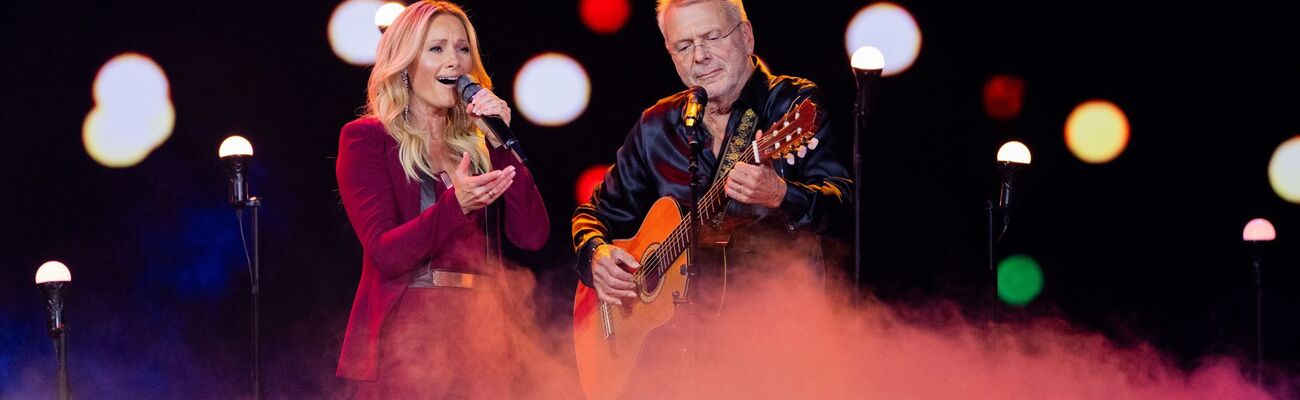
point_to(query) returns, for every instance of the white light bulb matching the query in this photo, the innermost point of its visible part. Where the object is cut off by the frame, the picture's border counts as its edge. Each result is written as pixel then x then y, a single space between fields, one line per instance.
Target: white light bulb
pixel 1015 152
pixel 53 271
pixel 868 58
pixel 1258 230
pixel 235 146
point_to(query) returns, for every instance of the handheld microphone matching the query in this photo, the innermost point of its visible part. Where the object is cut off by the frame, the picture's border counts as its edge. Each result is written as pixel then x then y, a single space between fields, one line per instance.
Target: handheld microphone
pixel 467 88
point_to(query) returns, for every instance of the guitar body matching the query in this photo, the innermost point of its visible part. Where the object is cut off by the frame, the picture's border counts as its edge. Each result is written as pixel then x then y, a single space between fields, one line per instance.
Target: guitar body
pixel 608 338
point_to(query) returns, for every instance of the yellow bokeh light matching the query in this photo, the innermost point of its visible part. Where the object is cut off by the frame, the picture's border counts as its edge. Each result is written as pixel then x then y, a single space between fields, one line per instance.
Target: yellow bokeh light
pixel 133 112
pixel 1097 131
pixel 1284 170
pixel 120 140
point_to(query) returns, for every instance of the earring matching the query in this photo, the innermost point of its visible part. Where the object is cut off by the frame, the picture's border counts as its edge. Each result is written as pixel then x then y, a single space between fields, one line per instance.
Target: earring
pixel 406 82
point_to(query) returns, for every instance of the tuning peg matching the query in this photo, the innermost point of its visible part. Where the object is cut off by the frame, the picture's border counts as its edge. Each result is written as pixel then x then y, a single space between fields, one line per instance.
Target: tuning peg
pixel 796 115
pixel 812 143
pixel 803 151
pixel 787 123
pixel 789 158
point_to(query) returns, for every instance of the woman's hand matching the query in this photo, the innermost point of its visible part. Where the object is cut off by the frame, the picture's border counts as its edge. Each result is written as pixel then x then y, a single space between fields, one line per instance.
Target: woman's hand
pixel 486 103
pixel 476 192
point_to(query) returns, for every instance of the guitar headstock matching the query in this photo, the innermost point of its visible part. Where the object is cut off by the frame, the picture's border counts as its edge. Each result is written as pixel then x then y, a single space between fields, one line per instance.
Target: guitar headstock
pixel 792 135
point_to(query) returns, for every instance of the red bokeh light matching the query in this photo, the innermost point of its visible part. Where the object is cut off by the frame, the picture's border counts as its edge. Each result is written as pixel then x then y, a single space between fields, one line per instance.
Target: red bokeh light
pixel 604 16
pixel 587 182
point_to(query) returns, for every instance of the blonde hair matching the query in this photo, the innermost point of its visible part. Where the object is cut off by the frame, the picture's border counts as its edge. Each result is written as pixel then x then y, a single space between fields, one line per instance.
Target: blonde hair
pixel 388 96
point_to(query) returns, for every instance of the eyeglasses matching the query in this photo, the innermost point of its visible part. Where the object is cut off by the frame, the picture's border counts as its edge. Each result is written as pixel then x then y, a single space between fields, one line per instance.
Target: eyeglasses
pixel 683 48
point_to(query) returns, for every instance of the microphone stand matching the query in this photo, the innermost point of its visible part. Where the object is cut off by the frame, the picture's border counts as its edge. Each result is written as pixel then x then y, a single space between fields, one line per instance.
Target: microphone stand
pixel 692 268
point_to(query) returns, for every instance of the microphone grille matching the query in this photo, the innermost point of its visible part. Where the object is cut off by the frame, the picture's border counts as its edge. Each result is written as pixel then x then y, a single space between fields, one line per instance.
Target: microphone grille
pixel 467 87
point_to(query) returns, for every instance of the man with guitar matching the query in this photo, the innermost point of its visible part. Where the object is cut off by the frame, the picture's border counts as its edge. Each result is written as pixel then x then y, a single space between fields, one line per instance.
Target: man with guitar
pixel 775 193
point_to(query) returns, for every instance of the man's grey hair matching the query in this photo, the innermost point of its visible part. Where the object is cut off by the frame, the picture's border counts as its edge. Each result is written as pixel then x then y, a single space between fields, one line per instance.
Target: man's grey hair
pixel 735 9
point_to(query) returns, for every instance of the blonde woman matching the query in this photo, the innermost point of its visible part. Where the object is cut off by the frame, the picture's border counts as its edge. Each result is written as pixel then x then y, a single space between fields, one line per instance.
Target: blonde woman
pixel 419 179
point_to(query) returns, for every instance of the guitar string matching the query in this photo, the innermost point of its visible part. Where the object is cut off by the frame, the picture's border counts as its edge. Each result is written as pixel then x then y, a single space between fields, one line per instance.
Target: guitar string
pixel 674 239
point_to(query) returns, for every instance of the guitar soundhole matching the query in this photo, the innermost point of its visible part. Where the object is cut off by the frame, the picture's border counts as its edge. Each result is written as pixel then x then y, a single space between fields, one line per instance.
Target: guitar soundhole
pixel 652 279
pixel 652 274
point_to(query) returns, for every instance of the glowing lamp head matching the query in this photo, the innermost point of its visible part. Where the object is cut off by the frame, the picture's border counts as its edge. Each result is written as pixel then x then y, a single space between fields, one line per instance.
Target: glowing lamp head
pixel 868 58
pixel 53 271
pixel 235 146
pixel 237 154
pixel 1014 152
pixel 1258 230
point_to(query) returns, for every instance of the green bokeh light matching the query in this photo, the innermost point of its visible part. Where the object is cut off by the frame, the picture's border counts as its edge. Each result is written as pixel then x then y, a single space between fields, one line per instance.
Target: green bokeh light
pixel 1020 280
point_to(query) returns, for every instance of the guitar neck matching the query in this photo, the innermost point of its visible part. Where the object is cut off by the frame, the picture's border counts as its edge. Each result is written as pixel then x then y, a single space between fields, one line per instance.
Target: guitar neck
pixel 792 130
pixel 714 201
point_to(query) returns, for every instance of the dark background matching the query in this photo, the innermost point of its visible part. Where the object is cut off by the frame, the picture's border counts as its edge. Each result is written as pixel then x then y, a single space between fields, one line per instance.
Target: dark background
pixel 1145 248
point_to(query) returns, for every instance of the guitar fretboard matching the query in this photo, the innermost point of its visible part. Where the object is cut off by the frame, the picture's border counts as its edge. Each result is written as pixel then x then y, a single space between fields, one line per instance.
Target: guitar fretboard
pixel 714 201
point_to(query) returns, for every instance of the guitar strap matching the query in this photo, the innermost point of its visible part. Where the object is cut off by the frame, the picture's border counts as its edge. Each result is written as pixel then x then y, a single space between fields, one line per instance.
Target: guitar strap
pixel 739 143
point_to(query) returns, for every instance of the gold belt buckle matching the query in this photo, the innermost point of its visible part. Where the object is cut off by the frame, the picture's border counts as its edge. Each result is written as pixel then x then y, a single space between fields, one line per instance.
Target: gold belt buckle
pixel 442 278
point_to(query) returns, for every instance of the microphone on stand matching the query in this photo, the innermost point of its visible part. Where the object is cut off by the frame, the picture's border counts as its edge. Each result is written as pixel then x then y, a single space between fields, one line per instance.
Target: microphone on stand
pixel 467 87
pixel 53 278
pixel 695 101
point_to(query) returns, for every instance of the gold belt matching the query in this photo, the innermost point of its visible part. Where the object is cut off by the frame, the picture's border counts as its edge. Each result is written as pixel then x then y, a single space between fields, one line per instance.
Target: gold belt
pixel 444 278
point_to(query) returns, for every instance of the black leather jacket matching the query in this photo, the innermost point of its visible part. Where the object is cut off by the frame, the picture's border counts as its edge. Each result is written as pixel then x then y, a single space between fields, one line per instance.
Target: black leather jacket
pixel 653 163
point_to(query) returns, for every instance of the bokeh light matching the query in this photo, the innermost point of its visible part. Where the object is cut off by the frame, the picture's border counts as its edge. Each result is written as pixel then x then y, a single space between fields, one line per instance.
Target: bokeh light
pixel 890 28
pixel 1097 131
pixel 352 32
pixel 388 13
pixel 1020 280
pixel 1284 170
pixel 133 112
pixel 552 89
pixel 1004 95
pixel 587 182
pixel 604 16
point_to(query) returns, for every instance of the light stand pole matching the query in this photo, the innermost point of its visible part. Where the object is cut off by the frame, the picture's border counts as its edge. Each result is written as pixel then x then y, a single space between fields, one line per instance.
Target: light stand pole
pixel 237 153
pixel 867 63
